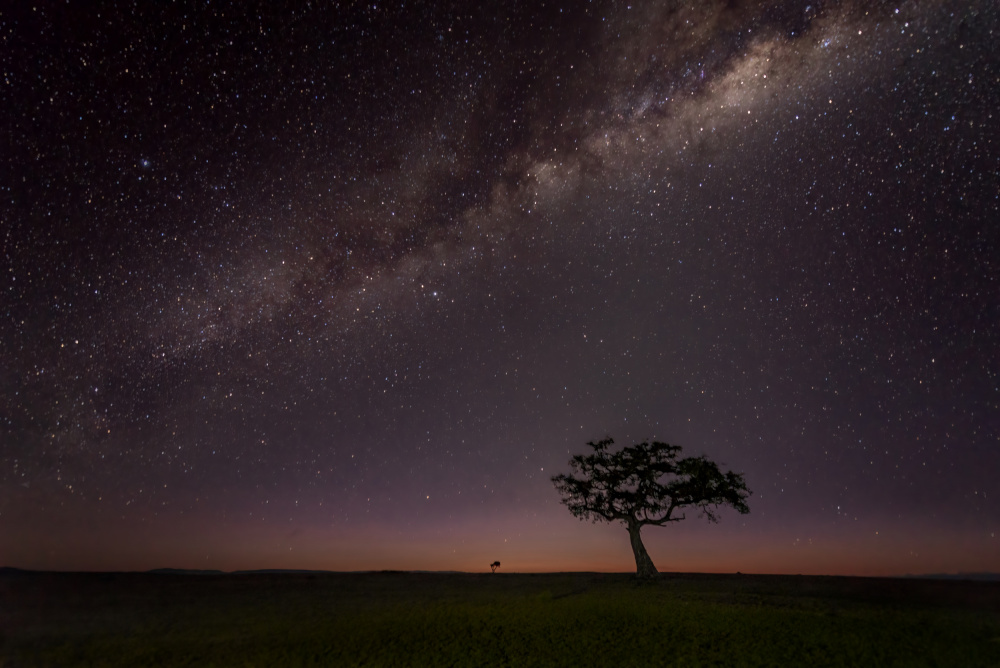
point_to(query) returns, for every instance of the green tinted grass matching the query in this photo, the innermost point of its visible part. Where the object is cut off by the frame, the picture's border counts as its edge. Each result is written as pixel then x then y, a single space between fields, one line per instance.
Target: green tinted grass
pixel 387 619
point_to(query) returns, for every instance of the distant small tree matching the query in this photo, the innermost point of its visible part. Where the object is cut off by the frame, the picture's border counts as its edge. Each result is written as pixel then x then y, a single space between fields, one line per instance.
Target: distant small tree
pixel 646 484
pixel 494 566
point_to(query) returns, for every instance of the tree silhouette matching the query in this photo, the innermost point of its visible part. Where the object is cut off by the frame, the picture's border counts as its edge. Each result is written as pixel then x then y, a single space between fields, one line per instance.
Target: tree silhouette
pixel 647 484
pixel 494 566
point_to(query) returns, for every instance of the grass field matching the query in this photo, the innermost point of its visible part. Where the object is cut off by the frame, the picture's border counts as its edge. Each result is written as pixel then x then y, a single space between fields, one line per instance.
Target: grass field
pixel 571 619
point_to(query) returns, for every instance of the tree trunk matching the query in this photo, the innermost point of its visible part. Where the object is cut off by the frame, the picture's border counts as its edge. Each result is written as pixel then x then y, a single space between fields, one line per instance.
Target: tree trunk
pixel 644 567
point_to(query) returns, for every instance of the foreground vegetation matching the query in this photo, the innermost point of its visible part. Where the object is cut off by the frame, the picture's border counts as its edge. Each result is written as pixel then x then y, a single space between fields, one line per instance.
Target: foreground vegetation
pixel 400 619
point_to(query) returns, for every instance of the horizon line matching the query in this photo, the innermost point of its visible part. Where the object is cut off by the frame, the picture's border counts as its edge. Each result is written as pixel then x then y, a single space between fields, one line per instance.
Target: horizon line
pixel 958 575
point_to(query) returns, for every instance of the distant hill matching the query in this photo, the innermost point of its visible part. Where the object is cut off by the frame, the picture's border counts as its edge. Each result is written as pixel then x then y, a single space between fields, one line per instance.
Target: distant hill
pixel 285 571
pixel 184 571
pixel 12 571
pixel 978 577
pixel 306 572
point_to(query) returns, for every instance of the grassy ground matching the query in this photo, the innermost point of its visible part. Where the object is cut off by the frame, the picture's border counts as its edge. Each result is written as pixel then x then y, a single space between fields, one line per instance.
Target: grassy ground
pixel 400 619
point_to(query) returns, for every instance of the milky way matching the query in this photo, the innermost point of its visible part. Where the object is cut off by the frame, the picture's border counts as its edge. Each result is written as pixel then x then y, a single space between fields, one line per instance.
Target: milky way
pixel 341 287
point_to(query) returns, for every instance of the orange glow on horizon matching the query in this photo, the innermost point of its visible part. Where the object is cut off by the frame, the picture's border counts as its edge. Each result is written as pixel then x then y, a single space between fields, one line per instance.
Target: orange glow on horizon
pixel 561 545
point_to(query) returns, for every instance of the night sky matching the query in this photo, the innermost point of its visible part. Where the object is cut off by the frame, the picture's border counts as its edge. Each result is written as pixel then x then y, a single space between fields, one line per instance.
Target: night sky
pixel 341 287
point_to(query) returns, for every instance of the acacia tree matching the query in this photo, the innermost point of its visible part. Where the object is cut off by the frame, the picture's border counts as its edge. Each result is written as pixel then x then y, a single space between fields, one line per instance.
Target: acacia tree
pixel 647 484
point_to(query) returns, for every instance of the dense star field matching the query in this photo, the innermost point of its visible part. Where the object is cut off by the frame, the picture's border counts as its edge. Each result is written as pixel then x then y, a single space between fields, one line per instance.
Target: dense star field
pixel 342 286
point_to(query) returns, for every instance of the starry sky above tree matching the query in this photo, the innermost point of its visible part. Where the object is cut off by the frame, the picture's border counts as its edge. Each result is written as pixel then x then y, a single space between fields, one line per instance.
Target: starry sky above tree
pixel 341 286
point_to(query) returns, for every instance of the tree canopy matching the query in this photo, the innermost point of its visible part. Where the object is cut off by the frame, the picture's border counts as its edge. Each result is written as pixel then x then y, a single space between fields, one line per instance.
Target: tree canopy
pixel 647 483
